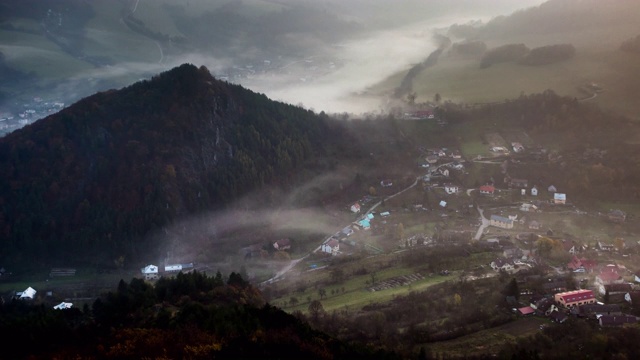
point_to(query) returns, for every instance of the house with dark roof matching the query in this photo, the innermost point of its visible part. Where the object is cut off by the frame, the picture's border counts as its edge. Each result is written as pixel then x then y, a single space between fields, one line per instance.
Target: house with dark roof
pixel 554 286
pixel 331 247
pixel 282 244
pixel 544 306
pixel 519 183
pixel 617 320
pixel 633 297
pixel 558 316
pixel 616 292
pixel 596 310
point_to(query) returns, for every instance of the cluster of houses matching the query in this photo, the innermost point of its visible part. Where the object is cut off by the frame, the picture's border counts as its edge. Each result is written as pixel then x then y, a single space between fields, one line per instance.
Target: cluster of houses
pixel 419 114
pixel 559 303
pixel 580 303
pixel 29 294
pixel 152 272
pixel 434 155
pixel 32 111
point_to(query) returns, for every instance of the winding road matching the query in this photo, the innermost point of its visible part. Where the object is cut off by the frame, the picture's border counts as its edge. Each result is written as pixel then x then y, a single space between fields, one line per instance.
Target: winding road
pixel 293 263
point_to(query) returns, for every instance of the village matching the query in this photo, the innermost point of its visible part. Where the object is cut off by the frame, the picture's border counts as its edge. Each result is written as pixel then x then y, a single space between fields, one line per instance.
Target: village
pixel 28 113
pixel 527 225
pixel 528 230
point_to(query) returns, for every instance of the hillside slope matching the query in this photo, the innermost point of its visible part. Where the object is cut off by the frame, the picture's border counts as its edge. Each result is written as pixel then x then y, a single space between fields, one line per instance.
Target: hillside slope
pixel 98 176
pixel 595 29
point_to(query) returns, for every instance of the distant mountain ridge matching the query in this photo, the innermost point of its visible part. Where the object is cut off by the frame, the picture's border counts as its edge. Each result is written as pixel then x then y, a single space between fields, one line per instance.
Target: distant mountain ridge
pixel 99 175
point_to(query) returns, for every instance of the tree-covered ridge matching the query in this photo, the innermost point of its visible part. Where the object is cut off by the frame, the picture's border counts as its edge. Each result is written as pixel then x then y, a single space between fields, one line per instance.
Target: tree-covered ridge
pixel 104 172
pixel 191 316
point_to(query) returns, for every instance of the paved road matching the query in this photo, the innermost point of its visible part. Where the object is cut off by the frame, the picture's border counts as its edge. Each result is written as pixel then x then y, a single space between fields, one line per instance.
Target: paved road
pixel 485 224
pixel 293 263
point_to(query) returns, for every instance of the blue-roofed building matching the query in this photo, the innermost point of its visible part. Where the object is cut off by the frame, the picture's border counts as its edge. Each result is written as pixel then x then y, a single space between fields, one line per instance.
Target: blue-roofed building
pixel 501 222
pixel 364 223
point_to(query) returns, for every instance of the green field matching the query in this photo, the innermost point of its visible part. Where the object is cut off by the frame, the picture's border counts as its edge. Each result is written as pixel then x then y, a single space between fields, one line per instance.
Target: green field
pixel 462 80
pixel 40 56
pixel 356 294
pixel 107 35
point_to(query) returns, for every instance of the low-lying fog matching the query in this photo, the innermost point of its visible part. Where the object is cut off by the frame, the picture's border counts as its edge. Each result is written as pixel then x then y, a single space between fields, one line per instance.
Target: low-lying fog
pixel 330 77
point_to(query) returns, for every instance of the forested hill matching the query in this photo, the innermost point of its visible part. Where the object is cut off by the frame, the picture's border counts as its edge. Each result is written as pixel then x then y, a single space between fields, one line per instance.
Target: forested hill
pixel 98 176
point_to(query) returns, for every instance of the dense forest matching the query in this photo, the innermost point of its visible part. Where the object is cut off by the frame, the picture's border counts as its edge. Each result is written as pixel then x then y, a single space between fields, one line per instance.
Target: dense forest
pixel 504 53
pixel 190 316
pixel 100 175
pixel 548 54
pixel 195 316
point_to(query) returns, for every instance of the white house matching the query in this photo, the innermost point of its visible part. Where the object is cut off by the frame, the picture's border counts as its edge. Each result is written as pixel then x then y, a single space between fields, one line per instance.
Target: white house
pixel 355 208
pixel 502 264
pixel 63 305
pixel 173 268
pixel 150 272
pixel 528 207
pixel 534 191
pixel 517 147
pixel 451 189
pixel 559 198
pixel 29 294
pixel 443 203
pixel 331 247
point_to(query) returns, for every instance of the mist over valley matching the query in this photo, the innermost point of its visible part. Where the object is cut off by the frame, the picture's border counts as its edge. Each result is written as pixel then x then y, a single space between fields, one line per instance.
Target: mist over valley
pixel 319 179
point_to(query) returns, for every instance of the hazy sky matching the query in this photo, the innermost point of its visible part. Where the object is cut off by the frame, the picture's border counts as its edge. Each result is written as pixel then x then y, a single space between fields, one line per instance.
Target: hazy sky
pixel 378 55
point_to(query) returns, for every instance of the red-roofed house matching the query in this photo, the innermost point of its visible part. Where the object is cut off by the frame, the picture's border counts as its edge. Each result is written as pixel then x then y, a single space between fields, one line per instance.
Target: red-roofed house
pixel 609 275
pixel 574 264
pixel 527 310
pixel 589 265
pixel 487 189
pixel 570 299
